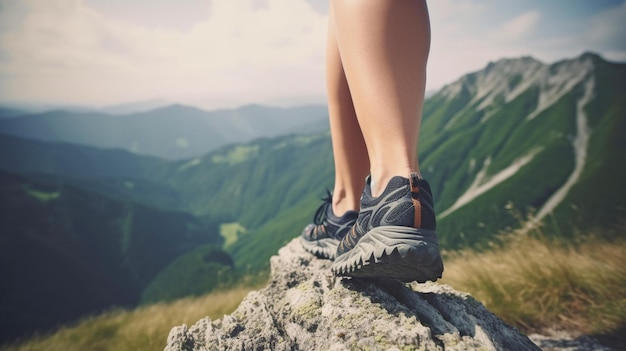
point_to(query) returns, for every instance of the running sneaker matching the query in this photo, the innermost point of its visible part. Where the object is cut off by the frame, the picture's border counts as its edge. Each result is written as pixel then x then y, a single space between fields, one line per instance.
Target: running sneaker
pixel 322 236
pixel 394 235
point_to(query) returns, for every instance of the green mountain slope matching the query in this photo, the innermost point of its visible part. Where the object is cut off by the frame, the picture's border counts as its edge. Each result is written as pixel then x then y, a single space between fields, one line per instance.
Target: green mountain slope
pixel 252 183
pixel 506 134
pixel 70 180
pixel 113 173
pixel 597 199
pixel 27 156
pixel 247 183
pixel 65 252
pixel 197 272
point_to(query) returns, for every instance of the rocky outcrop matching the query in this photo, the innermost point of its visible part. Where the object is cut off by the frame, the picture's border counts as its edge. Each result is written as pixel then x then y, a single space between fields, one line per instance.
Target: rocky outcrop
pixel 304 307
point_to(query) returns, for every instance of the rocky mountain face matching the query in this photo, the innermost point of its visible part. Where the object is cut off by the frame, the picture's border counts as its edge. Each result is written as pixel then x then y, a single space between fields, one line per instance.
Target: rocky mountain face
pixel 304 307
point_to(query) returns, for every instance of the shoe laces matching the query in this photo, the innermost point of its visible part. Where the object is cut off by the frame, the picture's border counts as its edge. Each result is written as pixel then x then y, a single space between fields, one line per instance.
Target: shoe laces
pixel 320 214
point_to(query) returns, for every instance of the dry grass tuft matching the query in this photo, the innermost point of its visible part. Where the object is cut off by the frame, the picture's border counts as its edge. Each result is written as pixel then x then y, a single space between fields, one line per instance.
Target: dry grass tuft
pixel 535 283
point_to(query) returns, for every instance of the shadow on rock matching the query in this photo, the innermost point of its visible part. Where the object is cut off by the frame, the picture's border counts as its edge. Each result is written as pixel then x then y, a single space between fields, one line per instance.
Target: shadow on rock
pixel 427 307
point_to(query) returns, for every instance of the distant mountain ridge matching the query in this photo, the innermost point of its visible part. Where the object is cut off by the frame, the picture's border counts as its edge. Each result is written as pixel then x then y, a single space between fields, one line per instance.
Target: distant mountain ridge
pixel 172 132
pixel 6 112
pixel 134 107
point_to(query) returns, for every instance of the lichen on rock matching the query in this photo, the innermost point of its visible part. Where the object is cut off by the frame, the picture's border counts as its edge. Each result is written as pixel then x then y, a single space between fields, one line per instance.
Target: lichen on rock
pixel 304 307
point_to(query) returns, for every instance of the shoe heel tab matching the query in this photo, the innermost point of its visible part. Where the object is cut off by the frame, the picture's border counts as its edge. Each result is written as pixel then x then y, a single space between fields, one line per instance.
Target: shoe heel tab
pixel 414 179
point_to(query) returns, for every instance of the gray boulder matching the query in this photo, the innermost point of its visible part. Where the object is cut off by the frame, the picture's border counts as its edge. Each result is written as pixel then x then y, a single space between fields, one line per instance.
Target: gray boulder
pixel 304 307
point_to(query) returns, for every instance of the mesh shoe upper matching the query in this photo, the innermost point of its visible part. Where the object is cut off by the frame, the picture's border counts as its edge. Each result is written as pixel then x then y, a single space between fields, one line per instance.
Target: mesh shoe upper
pixel 326 225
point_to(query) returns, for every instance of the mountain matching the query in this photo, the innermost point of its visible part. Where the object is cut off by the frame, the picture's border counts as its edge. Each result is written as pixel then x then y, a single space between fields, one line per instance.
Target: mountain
pixel 134 107
pixel 518 140
pixel 526 135
pixel 66 252
pixel 6 112
pixel 172 132
pixel 520 136
pixel 206 189
pixel 113 173
pixel 251 184
pixel 209 185
pixel 27 156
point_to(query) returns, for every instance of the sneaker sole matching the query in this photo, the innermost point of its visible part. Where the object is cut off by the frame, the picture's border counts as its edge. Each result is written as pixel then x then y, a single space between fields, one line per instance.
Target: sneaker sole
pixel 403 253
pixel 323 248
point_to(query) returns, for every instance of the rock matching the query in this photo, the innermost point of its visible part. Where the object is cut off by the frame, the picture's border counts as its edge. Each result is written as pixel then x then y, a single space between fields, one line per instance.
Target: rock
pixel 564 341
pixel 304 307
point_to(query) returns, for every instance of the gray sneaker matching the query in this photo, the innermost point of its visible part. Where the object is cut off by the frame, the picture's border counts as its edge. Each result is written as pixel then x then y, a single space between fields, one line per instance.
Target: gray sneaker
pixel 322 236
pixel 394 235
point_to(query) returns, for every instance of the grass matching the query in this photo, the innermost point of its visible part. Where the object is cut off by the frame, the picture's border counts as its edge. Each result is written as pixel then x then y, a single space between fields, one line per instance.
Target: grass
pixel 43 196
pixel 536 284
pixel 230 232
pixel 238 154
pixel 145 328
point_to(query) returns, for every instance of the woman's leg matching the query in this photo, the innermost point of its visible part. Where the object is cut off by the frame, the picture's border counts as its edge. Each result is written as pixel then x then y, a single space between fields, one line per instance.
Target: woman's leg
pixel 337 216
pixel 349 151
pixel 384 47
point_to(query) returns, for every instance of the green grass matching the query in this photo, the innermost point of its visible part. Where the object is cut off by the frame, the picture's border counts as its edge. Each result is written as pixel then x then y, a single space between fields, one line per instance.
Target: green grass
pixel 41 195
pixel 238 154
pixel 202 270
pixel 230 232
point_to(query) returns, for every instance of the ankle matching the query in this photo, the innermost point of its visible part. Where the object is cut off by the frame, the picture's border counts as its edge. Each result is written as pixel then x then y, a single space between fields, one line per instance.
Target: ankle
pixel 344 202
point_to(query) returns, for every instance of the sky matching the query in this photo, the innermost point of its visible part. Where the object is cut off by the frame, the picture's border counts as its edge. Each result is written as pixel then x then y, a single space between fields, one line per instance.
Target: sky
pixel 227 53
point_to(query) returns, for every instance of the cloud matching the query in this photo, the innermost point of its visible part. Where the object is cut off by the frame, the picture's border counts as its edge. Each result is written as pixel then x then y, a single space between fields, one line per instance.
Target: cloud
pixel 245 51
pixel 62 50
pixel 460 41
pixel 467 34
pixel 517 28
pixel 607 32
